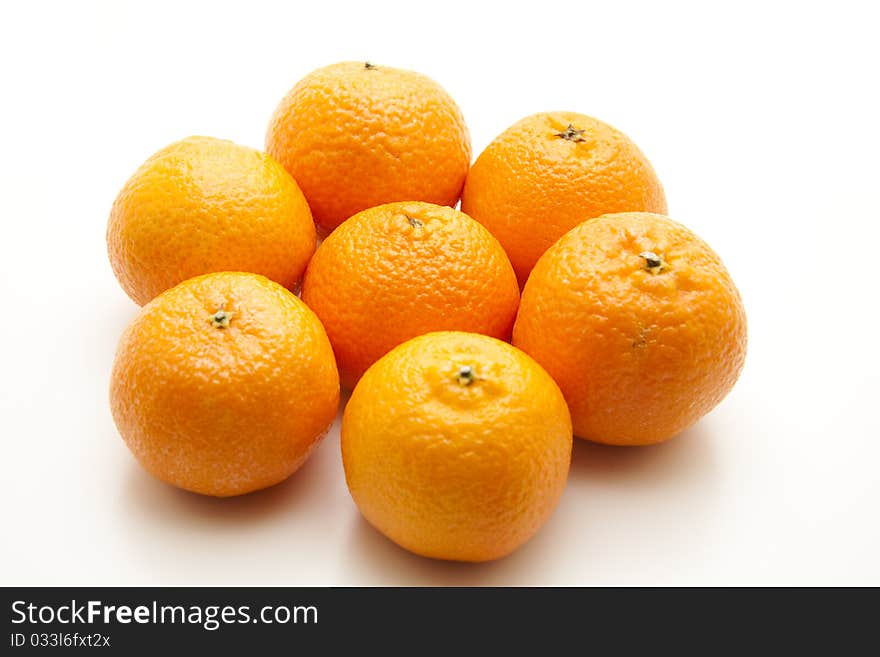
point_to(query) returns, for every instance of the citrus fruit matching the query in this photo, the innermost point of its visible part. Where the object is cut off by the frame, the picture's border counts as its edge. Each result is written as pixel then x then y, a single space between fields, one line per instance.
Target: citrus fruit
pixel 223 384
pixel 203 205
pixel 356 135
pixel 396 271
pixel 640 324
pixel 456 446
pixel 551 171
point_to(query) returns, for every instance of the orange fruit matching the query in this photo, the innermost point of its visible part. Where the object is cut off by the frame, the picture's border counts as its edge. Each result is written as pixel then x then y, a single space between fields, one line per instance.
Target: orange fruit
pixel 356 135
pixel 639 323
pixel 203 205
pixel 399 270
pixel 456 446
pixel 223 384
pixel 548 173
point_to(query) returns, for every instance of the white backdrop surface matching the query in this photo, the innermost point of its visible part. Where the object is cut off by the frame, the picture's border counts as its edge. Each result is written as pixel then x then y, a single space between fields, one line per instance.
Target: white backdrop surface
pixel 761 120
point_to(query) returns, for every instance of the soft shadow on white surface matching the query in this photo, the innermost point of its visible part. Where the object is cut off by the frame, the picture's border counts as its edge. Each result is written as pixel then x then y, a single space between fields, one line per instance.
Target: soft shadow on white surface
pixel 307 530
pixel 270 537
pixel 669 463
pixel 157 502
pixel 168 506
pixel 116 316
pixel 172 514
pixel 642 515
pixel 391 565
pixel 680 471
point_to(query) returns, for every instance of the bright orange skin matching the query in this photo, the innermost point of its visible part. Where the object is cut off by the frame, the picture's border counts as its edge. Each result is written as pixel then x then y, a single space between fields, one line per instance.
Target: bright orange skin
pixel 466 472
pixel 396 271
pixel 203 205
pixel 640 356
pixel 355 136
pixel 530 186
pixel 224 411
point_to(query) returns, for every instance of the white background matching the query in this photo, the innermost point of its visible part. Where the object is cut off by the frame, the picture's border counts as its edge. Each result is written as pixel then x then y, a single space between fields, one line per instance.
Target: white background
pixel 762 122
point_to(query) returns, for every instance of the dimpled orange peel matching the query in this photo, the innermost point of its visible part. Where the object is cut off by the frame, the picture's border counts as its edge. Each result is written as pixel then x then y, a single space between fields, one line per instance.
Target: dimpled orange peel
pixel 203 205
pixel 456 446
pixel 223 384
pixel 549 172
pixel 640 324
pixel 358 134
pixel 399 270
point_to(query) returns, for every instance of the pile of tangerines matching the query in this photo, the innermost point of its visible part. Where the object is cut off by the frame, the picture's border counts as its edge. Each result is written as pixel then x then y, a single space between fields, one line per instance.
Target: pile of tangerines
pixel 625 327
